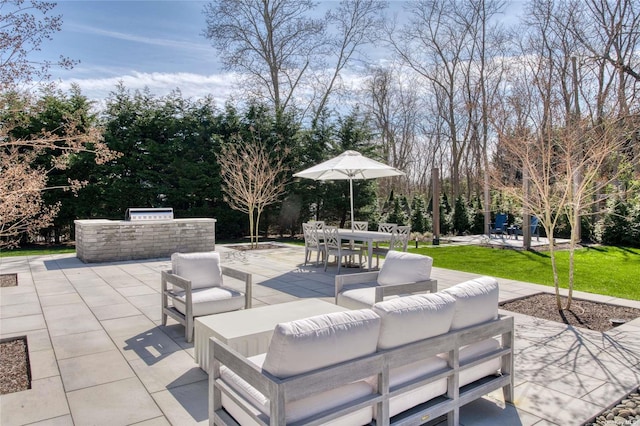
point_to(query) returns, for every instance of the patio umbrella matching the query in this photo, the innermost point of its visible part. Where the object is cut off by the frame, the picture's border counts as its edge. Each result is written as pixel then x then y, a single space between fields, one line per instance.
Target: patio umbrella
pixel 349 165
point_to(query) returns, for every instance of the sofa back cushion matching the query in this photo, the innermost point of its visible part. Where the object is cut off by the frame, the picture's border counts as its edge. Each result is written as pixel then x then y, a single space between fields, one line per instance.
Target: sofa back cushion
pixel 202 268
pixel 401 267
pixel 476 301
pixel 308 344
pixel 412 318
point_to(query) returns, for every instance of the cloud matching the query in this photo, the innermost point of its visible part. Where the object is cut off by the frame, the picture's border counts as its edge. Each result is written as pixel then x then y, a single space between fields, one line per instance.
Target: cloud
pixel 219 86
pixel 153 41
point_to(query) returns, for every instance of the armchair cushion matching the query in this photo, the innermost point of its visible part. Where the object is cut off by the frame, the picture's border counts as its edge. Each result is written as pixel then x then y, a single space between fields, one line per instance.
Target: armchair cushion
pixel 202 269
pixel 476 301
pixel 402 267
pixel 412 318
pixel 360 297
pixel 308 344
pixel 211 300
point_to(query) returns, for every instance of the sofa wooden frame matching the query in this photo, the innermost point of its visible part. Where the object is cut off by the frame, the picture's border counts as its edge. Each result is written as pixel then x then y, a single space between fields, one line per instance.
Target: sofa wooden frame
pixel 282 391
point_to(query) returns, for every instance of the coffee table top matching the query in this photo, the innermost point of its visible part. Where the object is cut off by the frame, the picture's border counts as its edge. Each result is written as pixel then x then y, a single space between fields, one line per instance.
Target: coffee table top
pixel 264 318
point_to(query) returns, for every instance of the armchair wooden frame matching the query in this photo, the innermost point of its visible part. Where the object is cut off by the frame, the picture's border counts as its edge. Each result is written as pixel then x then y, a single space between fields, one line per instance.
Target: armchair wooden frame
pixel 186 319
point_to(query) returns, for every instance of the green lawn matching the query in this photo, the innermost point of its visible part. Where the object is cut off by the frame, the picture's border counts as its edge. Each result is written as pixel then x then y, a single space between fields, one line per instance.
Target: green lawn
pixel 36 251
pixel 610 271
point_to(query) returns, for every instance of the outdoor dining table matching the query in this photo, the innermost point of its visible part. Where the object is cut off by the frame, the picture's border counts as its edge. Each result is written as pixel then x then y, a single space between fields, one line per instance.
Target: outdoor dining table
pixel 365 236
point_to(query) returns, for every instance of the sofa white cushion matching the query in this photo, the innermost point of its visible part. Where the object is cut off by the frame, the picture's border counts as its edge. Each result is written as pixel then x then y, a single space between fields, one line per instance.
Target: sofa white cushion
pixel 211 300
pixel 308 344
pixel 469 352
pixel 412 318
pixel 476 301
pixel 401 267
pixel 296 410
pixel 202 268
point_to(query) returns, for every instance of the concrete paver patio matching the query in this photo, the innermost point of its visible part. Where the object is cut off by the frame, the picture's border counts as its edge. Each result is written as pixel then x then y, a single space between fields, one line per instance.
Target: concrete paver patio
pixel 99 356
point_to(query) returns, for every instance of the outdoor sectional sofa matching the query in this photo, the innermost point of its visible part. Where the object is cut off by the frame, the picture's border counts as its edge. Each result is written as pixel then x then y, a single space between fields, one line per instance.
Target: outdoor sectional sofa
pixel 404 361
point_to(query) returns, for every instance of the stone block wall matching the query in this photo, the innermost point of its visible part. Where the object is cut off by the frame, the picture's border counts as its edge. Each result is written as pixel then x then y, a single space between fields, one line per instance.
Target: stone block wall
pixel 109 240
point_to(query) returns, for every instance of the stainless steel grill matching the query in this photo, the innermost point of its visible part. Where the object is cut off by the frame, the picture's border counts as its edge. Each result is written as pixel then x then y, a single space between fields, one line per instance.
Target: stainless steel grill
pixel 145 214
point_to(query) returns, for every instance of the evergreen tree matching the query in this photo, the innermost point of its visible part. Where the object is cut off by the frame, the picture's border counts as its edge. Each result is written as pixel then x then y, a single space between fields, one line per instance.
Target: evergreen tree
pixel 418 214
pixel 460 216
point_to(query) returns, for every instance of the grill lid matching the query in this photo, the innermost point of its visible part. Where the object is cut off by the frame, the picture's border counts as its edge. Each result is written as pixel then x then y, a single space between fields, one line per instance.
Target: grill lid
pixel 142 214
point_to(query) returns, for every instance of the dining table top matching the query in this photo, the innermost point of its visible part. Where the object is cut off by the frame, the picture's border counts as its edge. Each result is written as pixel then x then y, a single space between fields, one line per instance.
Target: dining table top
pixel 364 235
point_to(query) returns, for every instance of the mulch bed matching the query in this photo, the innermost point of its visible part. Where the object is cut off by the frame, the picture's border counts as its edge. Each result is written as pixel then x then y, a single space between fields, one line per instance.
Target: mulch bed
pixel 14 366
pixel 585 314
pixel 8 280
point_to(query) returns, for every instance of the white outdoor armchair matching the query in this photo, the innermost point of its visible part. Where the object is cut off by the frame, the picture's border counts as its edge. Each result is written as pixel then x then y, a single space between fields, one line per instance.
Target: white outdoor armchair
pixel 401 274
pixel 197 289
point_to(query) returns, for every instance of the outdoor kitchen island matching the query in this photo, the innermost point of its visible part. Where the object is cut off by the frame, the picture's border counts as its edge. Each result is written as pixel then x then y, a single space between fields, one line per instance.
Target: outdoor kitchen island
pixel 99 240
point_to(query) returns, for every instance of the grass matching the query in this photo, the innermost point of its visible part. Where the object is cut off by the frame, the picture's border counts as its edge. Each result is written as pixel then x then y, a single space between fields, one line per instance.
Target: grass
pixel 612 271
pixel 37 251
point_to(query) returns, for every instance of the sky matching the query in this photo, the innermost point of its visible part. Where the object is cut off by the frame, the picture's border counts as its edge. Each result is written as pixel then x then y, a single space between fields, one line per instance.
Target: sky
pixel 143 43
pixel 154 44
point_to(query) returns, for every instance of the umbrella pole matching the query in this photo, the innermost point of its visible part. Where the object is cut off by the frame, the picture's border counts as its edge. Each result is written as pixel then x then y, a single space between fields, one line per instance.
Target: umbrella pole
pixel 351 198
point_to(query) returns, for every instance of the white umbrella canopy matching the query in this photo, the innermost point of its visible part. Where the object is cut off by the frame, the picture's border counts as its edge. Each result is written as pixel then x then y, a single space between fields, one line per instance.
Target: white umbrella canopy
pixel 349 165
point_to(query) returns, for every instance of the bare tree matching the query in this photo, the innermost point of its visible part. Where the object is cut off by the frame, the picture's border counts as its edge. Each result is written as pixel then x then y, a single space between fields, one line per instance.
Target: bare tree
pixel 610 33
pixel 285 54
pixel 551 159
pixel 394 104
pixel 24 26
pixel 443 42
pixel 608 38
pixel 252 179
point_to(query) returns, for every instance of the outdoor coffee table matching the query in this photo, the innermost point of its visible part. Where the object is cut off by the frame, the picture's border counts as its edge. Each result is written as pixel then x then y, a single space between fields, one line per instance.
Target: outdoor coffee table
pixel 249 331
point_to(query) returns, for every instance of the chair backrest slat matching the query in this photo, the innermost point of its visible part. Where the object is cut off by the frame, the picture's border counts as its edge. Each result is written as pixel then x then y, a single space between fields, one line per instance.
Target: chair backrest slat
pixel 331 238
pixel 387 227
pixel 360 225
pixel 400 238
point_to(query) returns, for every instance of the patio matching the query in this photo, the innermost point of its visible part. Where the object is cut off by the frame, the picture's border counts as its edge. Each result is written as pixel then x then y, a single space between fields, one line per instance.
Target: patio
pixel 99 356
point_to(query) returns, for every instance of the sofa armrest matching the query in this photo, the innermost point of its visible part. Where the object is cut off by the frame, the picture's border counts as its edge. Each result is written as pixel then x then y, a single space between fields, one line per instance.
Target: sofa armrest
pixel 242 276
pixel 382 291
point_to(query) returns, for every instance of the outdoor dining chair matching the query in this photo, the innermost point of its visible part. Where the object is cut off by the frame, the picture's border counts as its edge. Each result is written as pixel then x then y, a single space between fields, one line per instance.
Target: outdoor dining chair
pixel 312 241
pixel 333 247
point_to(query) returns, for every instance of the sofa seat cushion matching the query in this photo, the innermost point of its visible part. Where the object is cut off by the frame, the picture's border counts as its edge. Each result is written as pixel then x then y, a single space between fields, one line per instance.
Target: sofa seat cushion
pixel 412 318
pixel 202 269
pixel 487 368
pixel 296 410
pixel 402 267
pixel 401 375
pixel 359 297
pixel 308 344
pixel 476 302
pixel 212 300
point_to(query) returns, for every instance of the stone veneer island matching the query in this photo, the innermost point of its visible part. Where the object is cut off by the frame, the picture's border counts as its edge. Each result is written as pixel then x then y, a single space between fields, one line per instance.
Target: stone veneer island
pixel 100 240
